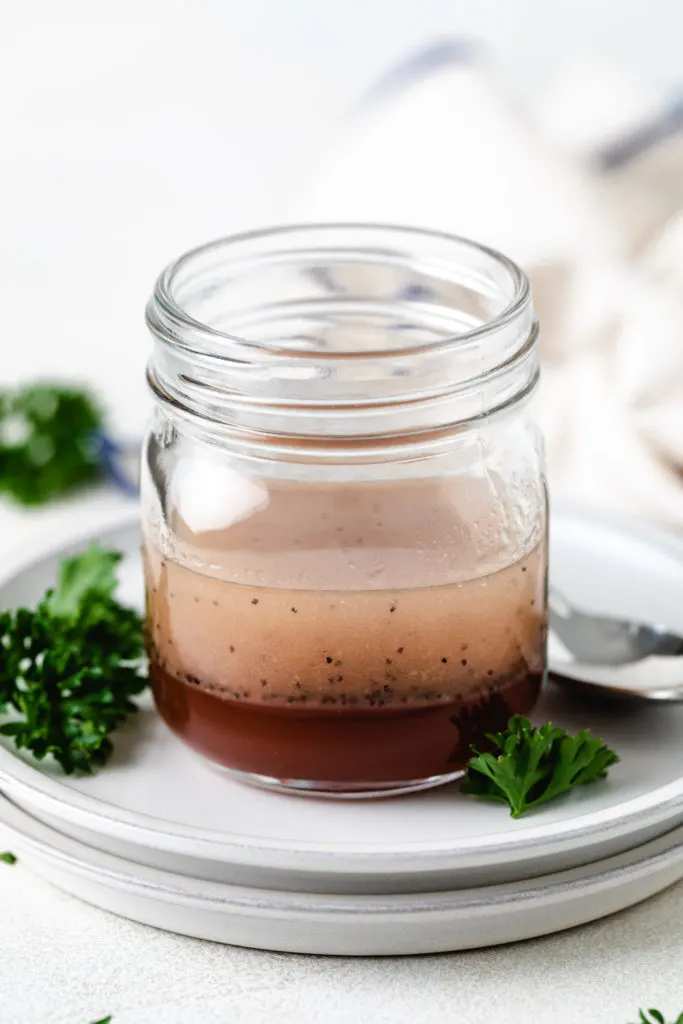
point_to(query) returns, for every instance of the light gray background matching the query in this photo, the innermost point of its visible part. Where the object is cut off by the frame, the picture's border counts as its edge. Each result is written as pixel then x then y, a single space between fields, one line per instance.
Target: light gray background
pixel 132 130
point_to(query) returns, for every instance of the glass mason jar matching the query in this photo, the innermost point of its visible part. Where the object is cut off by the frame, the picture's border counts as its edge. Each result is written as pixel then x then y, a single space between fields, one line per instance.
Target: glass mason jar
pixel 345 515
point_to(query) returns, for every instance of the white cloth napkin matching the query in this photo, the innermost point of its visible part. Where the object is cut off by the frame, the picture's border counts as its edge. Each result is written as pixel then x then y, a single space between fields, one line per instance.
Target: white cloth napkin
pixel 584 188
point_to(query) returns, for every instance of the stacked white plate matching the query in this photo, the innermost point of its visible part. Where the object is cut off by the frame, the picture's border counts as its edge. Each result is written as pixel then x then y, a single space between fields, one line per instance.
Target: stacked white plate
pixel 160 837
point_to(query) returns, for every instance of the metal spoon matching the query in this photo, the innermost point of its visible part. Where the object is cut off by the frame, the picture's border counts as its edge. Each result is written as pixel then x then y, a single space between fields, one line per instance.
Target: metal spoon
pixel 602 640
pixel 615 657
pixel 647 680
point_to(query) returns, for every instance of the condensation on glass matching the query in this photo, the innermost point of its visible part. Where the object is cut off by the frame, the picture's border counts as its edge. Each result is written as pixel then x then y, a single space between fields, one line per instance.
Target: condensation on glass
pixel 345 521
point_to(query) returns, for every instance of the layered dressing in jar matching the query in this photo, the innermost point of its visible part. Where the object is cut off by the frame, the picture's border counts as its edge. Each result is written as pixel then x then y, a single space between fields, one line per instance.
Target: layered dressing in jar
pixel 342 623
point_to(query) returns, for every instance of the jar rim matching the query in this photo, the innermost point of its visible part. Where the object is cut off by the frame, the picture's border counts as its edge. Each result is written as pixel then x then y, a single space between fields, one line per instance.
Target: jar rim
pixel 164 311
pixel 362 332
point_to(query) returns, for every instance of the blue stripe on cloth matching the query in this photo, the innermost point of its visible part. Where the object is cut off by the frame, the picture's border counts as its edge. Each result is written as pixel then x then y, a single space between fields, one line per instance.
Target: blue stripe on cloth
pixel 425 62
pixel 637 143
pixel 120 464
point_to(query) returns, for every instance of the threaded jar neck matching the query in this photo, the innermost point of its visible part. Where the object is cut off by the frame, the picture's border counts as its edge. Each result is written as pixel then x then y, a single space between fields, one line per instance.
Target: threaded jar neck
pixel 341 334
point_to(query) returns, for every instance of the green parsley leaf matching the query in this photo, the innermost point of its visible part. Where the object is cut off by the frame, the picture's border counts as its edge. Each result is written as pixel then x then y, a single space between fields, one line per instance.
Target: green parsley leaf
pixel 532 765
pixel 69 668
pixel 656 1017
pixel 105 1020
pixel 47 442
pixel 91 573
pixel 8 858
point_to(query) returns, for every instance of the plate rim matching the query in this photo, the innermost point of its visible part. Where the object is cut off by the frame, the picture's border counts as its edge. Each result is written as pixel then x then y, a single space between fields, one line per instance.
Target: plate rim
pixel 91 813
pixel 67 852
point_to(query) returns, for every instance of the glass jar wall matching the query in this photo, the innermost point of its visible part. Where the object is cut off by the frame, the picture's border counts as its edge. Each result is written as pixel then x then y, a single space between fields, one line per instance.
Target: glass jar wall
pixel 345 524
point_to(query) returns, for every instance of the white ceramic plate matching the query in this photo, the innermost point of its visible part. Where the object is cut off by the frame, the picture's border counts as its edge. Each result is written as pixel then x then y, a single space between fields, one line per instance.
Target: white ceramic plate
pixel 157 804
pixel 347 925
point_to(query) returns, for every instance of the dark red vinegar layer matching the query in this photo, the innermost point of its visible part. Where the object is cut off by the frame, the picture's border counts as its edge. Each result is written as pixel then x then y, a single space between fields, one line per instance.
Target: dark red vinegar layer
pixel 392 743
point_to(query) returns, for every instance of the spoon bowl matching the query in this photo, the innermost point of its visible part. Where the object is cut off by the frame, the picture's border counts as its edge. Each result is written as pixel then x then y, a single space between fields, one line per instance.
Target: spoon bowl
pixel 602 640
pixel 614 658
pixel 596 682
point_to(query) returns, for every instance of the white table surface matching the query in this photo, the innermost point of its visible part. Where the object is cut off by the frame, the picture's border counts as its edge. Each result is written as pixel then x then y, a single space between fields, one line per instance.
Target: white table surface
pixel 65 963
pixel 62 962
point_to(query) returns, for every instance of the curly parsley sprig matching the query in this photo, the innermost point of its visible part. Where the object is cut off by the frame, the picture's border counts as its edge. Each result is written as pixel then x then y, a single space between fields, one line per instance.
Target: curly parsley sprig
pixel 69 667
pixel 48 442
pixel 530 766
